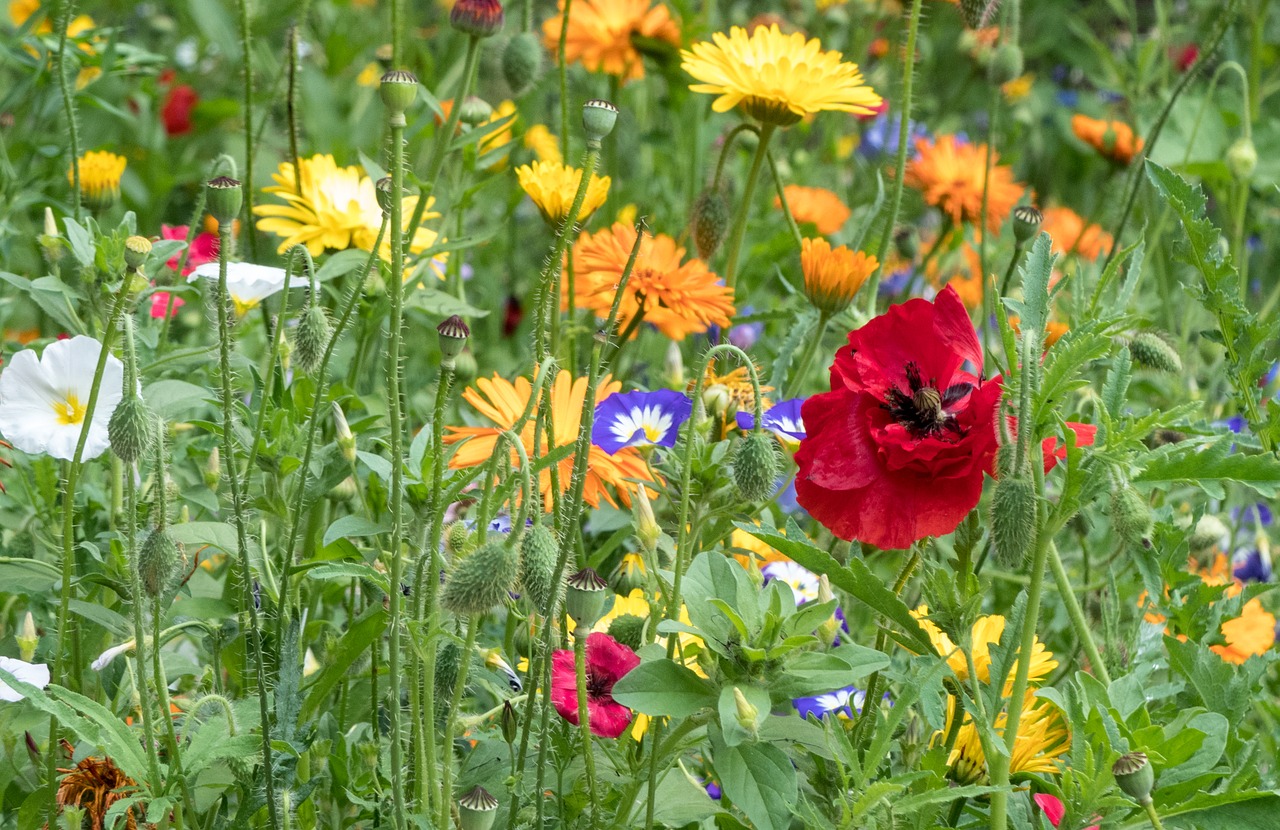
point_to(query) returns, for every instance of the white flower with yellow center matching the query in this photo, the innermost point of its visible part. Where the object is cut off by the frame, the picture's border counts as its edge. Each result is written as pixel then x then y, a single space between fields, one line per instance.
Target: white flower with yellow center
pixel 44 400
pixel 248 284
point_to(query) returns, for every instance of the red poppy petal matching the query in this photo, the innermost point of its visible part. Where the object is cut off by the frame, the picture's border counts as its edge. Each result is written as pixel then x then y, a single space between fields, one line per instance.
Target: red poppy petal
pixel 1052 807
pixel 607 718
pixel 608 660
pixel 837 451
pixel 1053 453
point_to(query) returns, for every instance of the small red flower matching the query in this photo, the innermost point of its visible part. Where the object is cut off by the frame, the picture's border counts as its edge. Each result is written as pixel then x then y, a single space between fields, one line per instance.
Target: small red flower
pixel 1053 453
pixel 1053 810
pixel 204 248
pixel 898 448
pixel 175 113
pixel 1184 56
pixel 608 661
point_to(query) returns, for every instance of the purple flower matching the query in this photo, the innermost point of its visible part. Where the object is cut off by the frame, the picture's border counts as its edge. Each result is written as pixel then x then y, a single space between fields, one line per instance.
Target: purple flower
pixel 713 789
pixel 783 418
pixel 1252 566
pixel 843 703
pixel 640 418
pixel 880 138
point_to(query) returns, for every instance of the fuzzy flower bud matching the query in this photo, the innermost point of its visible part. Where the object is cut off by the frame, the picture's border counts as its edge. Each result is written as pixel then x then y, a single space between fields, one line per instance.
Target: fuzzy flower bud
pixel 224 199
pixel 477 810
pixel 457 538
pixel 448 661
pixel 628 629
pixel 1135 776
pixel 538 553
pixel 1131 517
pixel 1207 533
pixel 312 337
pixel 1013 510
pixel 1242 158
pixel 755 466
pixel 27 639
pixel 482 580
pixel 585 598
pixel 132 428
pixel 1150 349
pixel 475 110
pixel 522 62
pixel 716 399
pixel 136 249
pixel 158 562
pixel 710 221
pixel 598 118
pixel 647 529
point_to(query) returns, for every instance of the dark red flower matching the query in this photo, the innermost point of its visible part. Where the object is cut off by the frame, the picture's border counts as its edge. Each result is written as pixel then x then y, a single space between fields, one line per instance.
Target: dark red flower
pixel 1184 56
pixel 1054 810
pixel 176 111
pixel 898 448
pixel 511 316
pixel 607 662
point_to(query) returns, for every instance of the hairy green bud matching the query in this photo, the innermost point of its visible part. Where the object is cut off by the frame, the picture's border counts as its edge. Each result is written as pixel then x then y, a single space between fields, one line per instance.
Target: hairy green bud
pixel 448 662
pixel 1013 518
pixel 1006 63
pixel 522 63
pixel 481 581
pixel 1152 350
pixel 313 333
pixel 457 539
pixel 538 553
pixel 1131 516
pixel 1242 158
pixel 628 629
pixel 755 466
pixel 132 428
pixel 710 221
pixel 158 560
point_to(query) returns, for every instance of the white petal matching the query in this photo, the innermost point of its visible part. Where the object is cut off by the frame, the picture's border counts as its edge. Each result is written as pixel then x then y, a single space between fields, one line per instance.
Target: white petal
pixel 37 674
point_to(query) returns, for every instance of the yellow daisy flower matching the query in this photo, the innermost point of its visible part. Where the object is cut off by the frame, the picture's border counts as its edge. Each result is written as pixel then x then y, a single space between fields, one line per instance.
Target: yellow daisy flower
pixel 776 78
pixel 1042 739
pixel 100 174
pixel 553 185
pixel 986 631
pixel 543 143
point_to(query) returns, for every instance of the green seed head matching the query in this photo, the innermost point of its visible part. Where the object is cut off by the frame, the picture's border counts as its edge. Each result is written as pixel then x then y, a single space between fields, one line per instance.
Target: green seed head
pixel 755 466
pixel 482 580
pixel 158 560
pixel 398 89
pixel 538 549
pixel 224 199
pixel 1135 776
pixel 132 428
pixel 585 598
pixel 598 118
pixel 477 810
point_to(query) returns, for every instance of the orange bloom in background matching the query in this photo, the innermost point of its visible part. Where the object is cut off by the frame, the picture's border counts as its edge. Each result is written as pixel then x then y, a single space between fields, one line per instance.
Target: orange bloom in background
pixel 965 278
pixel 1053 330
pixel 948 173
pixel 1249 635
pixel 1112 139
pixel 678 297
pixel 1070 234
pixel 94 784
pixel 601 31
pixel 502 402
pixel 817 206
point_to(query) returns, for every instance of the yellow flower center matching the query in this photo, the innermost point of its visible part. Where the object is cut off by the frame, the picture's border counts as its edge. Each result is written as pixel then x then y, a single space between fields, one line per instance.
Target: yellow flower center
pixel 652 433
pixel 69 410
pixel 243 307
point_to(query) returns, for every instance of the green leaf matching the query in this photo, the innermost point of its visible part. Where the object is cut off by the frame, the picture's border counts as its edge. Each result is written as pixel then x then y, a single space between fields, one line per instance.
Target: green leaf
pixel 856 579
pixel 712 576
pixel 28 576
pixel 367 628
pixel 352 526
pixel 53 296
pixel 661 687
pixel 1209 466
pixel 197 535
pixel 814 673
pixel 350 570
pixel 1248 810
pixel 758 779
pixel 177 399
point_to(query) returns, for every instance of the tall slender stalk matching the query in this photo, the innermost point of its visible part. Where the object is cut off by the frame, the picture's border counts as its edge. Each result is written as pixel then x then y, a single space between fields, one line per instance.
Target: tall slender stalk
pixel 66 10
pixel 1068 593
pixel 247 103
pixel 584 723
pixel 446 773
pixel 744 207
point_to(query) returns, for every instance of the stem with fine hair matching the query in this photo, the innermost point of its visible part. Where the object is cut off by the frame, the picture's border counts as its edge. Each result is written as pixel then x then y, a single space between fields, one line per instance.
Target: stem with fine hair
pixel 1067 591
pixel 245 44
pixel 900 165
pixel 744 207
pixel 247 594
pixel 65 10
pixel 810 349
pixel 869 703
pixel 584 722
pixel 451 723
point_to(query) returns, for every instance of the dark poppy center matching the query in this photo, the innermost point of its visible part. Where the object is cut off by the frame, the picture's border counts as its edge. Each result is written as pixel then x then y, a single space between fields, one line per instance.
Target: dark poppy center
pixel 598 686
pixel 923 408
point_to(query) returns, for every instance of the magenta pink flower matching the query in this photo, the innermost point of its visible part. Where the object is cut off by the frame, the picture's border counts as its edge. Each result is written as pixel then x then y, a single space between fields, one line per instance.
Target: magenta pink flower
pixel 1054 810
pixel 607 662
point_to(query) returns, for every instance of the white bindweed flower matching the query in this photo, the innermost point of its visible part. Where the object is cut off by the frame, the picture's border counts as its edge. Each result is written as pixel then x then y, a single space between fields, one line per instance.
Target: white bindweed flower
pixel 37 674
pixel 105 658
pixel 310 665
pixel 248 284
pixel 43 400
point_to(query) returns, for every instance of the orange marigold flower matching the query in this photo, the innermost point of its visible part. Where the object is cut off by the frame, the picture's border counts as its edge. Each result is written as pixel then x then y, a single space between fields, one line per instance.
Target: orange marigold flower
pixel 1112 139
pixel 601 34
pixel 948 173
pixel 833 277
pixel 1053 329
pixel 678 297
pixel 1248 635
pixel 817 206
pixel 502 402
pixel 1071 235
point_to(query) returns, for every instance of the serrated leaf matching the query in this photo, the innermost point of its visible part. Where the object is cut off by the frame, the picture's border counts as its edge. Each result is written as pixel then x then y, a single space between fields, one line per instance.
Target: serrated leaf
pixel 1209 467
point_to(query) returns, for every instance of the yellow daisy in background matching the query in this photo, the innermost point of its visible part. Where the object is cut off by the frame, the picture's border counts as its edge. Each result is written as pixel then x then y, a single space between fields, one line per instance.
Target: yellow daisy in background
pixel 543 143
pixel 552 186
pixel 100 174
pixel 986 631
pixel 334 209
pixel 833 277
pixel 1042 739
pixel 776 78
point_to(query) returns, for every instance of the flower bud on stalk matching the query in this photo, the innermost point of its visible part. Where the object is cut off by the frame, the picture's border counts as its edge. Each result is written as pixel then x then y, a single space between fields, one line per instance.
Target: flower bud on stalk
pixel 647 529
pixel 1026 223
pixel 51 241
pixel 382 189
pixel 448 661
pixel 522 63
pixel 158 562
pixel 746 714
pixel 482 580
pixel 465 368
pixel 457 538
pixel 1006 63
pixel 1242 158
pixel 830 628
pixel 213 470
pixel 509 722
pixel 1013 509
pixel 755 466
pixel 475 111
pixel 27 639
pixel 711 219
pixel 312 336
pixel 346 441
pixel 478 18
pixel 628 629
pixel 538 565
pixel 1150 349
pixel 1131 516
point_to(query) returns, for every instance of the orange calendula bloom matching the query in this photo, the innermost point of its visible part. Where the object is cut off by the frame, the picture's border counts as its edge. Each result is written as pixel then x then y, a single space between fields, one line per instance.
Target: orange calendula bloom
pixel 816 206
pixel 948 173
pixel 1249 635
pixel 502 402
pixel 1070 235
pixel 601 34
pixel 833 277
pixel 964 276
pixel 776 78
pixel 679 297
pixel 1112 139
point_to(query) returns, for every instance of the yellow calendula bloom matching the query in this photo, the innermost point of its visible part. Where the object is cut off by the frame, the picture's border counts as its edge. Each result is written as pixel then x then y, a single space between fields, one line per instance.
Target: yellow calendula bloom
pixel 543 143
pixel 370 76
pixel 552 186
pixel 1042 739
pixel 986 631
pixel 775 77
pixel 100 173
pixel 335 208
pixel 833 277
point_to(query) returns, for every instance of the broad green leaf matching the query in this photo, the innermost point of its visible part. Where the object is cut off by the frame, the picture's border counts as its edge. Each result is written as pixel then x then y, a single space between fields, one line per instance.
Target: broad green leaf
pixel 177 399
pixel 350 570
pixel 661 687
pixel 366 628
pixel 815 673
pixel 759 779
pixel 199 535
pixel 353 526
pixel 28 576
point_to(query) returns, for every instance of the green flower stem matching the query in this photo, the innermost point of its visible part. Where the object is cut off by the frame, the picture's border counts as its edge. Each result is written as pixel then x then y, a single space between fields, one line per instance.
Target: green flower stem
pixel 993 107
pixel 810 349
pixel 146 698
pixel 277 336
pixel 650 802
pixel 395 447
pixel 728 145
pixel 444 138
pixel 226 403
pixel 451 723
pixel 1068 593
pixel 900 166
pixel 1150 809
pixel 870 702
pixel 549 281
pixel 1225 19
pixel 782 200
pixel 584 724
pixel 562 65
pixel 1008 273
pixel 246 44
pixel 66 11
pixel 744 208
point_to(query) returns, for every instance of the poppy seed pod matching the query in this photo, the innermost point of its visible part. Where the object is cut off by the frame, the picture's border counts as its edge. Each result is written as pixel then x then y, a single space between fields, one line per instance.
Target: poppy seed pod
pixel 453 336
pixel 399 89
pixel 1026 223
pixel 522 62
pixel 710 221
pixel 132 428
pixel 158 561
pixel 482 580
pixel 477 810
pixel 224 197
pixel 312 336
pixel 478 18
pixel 136 249
pixel 475 110
pixel 1006 63
pixel 1135 776
pixel 598 118
pixel 755 466
pixel 585 597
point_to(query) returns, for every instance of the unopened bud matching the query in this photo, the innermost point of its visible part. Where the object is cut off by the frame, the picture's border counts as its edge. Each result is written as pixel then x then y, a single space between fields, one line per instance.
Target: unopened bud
pixel 746 713
pixel 50 224
pixel 382 189
pixel 830 627
pixel 1014 505
pixel 213 470
pixel 1150 349
pixel 27 639
pixel 344 490
pixel 1242 158
pixel 475 110
pixel 342 430
pixel 465 368
pixel 1208 533
pixel 312 337
pixel 1135 776
pixel 647 529
pixel 907 242
pixel 1131 517
pixel 710 220
pixel 716 399
pixel 509 722
pixel 478 18
pixel 482 580
pixel 522 62
pixel 158 562
pixel 755 466
pixel 538 554
pixel 598 118
pixel 132 428
pixel 1006 63
pixel 673 365
pixel 628 629
pixel 585 598
pixel 457 538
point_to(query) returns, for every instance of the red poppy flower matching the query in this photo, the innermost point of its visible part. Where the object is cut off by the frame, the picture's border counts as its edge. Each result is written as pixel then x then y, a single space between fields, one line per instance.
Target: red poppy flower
pixel 607 662
pixel 175 113
pixel 1053 810
pixel 1053 453
pixel 898 448
pixel 204 248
